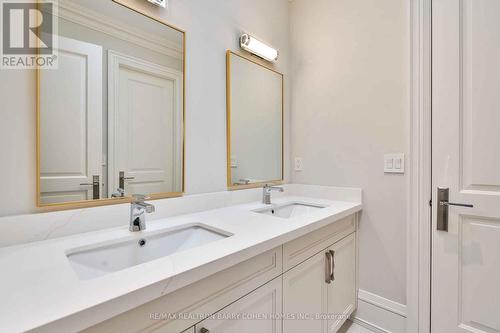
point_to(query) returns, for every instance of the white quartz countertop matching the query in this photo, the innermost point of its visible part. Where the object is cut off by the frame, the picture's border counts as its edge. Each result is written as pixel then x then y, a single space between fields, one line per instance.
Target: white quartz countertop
pixel 40 290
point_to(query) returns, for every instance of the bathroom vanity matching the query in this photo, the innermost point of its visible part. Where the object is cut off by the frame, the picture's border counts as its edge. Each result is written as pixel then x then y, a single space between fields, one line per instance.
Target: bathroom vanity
pixel 245 267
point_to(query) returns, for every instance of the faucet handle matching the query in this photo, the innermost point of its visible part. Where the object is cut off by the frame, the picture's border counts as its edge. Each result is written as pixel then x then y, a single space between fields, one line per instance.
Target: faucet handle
pixel 270 187
pixel 139 198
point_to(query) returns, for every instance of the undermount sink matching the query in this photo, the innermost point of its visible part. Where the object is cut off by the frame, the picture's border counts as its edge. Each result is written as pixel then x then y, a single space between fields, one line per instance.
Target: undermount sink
pixel 290 210
pixel 100 260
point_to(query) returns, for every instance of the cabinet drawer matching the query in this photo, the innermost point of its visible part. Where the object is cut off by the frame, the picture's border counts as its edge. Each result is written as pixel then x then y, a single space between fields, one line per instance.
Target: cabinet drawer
pixel 197 300
pixel 259 312
pixel 298 250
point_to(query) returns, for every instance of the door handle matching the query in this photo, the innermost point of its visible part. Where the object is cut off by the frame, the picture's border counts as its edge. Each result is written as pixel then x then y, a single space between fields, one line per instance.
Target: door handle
pixel 122 179
pixel 95 187
pixel 442 209
pixel 204 330
pixel 332 265
pixel 328 267
pixel 444 203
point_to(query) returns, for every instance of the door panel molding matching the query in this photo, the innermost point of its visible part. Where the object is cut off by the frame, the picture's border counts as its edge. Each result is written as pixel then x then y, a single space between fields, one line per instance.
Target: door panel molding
pixel 478 250
pixel 478 104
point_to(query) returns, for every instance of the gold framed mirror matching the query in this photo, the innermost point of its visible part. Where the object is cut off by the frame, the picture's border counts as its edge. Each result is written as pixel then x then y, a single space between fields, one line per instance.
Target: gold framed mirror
pixel 255 118
pixel 111 117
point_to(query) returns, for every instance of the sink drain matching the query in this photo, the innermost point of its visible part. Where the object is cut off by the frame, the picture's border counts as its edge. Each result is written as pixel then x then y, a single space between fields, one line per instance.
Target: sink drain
pixel 142 242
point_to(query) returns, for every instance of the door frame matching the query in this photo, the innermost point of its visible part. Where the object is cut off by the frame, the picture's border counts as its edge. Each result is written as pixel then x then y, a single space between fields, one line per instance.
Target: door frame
pixel 419 227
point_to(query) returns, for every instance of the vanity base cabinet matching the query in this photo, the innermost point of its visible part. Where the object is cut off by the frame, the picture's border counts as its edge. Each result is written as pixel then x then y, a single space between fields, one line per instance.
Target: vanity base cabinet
pixel 306 285
pixel 259 311
pixel 319 294
pixel 177 311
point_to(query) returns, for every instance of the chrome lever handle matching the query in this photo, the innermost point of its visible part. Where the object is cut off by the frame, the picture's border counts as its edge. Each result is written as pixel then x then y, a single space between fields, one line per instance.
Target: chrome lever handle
pixel 95 187
pixel 446 203
pixel 443 197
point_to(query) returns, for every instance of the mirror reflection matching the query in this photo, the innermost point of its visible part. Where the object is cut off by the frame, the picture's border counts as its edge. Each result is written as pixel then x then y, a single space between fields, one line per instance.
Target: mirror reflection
pixel 255 122
pixel 110 117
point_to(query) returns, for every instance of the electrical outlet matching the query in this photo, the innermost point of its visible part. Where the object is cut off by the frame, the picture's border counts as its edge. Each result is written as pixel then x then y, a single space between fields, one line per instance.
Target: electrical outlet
pixel 299 166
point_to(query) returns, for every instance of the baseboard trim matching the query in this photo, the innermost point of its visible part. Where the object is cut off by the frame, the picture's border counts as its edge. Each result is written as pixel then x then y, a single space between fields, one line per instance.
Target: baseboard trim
pixel 379 314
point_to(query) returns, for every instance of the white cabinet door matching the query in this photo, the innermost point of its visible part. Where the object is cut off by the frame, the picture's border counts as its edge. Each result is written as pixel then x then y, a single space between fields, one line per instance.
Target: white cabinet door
pixel 323 300
pixel 259 311
pixel 342 289
pixel 305 294
pixel 71 123
pixel 466 159
pixel 145 115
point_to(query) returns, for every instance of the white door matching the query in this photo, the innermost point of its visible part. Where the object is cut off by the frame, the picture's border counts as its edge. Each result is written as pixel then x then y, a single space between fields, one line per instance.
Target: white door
pixel 145 115
pixel 71 123
pixel 466 159
pixel 305 291
pixel 257 312
pixel 342 289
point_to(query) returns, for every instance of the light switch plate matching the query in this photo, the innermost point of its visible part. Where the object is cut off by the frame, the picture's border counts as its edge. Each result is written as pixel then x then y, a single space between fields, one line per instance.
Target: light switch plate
pixel 394 163
pixel 299 166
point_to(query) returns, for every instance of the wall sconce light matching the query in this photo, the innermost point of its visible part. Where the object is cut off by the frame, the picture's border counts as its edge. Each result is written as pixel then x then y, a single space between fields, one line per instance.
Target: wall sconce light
pixel 255 46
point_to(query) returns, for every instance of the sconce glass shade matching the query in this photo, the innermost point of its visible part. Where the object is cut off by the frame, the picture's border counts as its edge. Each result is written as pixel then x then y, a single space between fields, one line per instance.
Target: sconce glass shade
pixel 260 49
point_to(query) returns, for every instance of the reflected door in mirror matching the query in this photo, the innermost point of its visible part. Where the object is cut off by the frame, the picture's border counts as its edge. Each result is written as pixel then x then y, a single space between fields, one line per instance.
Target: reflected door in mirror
pixel 71 123
pixel 111 116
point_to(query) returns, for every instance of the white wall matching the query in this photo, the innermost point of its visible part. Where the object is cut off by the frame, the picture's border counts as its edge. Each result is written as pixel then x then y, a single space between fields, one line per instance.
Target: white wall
pixel 212 27
pixel 350 106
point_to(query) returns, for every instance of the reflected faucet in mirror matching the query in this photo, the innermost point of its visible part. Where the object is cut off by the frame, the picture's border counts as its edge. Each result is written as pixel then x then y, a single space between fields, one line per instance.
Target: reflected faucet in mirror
pixel 120 191
pixel 138 211
pixel 266 193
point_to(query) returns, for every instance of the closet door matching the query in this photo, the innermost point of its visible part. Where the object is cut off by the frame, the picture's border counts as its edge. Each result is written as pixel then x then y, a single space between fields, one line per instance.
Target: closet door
pixel 465 166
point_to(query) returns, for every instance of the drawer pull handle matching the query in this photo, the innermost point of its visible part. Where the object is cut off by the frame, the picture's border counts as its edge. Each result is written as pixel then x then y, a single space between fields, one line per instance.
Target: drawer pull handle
pixel 332 276
pixel 328 267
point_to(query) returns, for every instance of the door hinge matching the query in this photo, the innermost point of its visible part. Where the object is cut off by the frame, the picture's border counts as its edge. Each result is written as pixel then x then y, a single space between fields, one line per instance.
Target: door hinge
pixel 430 202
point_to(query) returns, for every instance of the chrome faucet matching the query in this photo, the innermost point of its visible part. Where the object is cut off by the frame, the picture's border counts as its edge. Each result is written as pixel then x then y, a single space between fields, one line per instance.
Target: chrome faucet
pixel 138 211
pixel 266 193
pixel 120 193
